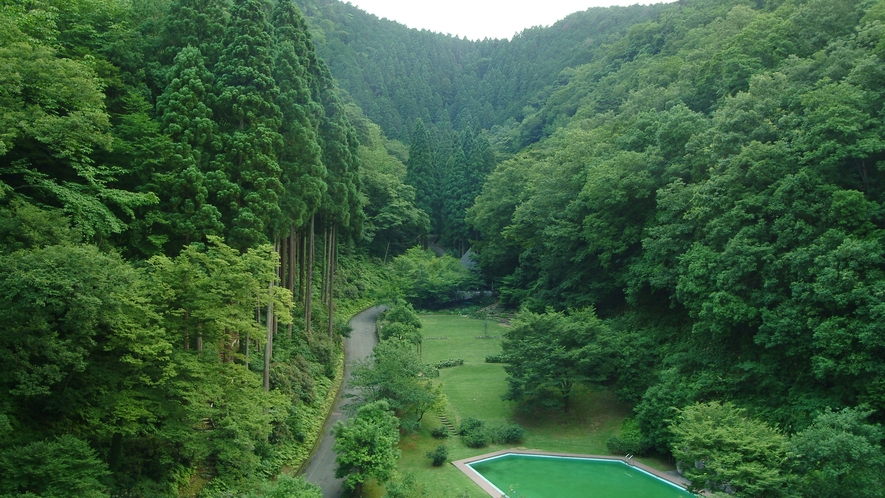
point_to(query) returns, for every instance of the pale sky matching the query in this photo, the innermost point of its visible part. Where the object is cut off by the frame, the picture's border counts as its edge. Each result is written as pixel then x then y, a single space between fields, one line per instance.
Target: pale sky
pixel 478 19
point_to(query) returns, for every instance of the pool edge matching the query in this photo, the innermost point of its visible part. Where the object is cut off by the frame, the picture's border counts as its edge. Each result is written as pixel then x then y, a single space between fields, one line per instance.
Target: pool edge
pixel 463 466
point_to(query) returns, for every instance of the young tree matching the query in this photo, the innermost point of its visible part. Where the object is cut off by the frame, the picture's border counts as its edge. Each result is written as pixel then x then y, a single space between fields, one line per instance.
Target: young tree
pixel 554 352
pixel 395 373
pixel 720 448
pixel 366 446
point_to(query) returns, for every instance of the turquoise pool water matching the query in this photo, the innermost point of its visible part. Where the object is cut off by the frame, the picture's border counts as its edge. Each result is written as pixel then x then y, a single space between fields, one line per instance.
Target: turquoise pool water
pixel 539 476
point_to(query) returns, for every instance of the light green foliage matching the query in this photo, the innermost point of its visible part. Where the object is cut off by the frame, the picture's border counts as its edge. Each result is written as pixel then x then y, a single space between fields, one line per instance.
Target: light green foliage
pixel 81 340
pixel 395 373
pixel 839 455
pixel 719 447
pixel 366 446
pixel 286 486
pixel 427 280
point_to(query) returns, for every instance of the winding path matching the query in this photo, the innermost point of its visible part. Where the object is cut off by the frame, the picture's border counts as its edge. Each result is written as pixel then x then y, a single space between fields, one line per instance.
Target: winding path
pixel 320 469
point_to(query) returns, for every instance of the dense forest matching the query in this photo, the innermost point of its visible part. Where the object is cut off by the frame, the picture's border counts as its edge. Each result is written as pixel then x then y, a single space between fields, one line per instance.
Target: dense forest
pixel 683 201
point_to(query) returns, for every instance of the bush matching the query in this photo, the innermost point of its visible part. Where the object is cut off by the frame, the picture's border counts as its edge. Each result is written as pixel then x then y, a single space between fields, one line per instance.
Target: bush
pixel 508 434
pixel 629 442
pixel 440 433
pixel 473 432
pixel 451 362
pixel 439 455
pixel 476 439
pixel 497 358
pixel 470 424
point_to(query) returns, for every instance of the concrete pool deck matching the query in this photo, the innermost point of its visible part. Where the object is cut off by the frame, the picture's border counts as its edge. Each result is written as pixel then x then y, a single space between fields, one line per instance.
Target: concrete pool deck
pixel 463 466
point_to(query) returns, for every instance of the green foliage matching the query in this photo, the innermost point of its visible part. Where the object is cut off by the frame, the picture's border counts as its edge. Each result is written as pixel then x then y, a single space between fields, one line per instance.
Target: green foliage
pixel 57 468
pixel 719 448
pixel 451 362
pixel 840 454
pixel 286 486
pixel 439 455
pixel 427 280
pixel 441 432
pixel 395 373
pixel 554 352
pixel 366 447
pixel 473 432
pixel 629 441
pixel 507 434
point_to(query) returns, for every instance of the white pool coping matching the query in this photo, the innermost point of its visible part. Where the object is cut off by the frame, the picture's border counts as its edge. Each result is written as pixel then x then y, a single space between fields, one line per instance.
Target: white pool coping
pixel 464 466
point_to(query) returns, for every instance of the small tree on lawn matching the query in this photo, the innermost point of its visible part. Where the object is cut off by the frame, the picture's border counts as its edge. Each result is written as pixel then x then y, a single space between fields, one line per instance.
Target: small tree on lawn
pixel 367 445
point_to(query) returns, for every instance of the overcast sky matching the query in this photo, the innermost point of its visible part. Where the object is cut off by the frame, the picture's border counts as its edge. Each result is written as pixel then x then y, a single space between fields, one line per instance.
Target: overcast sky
pixel 478 19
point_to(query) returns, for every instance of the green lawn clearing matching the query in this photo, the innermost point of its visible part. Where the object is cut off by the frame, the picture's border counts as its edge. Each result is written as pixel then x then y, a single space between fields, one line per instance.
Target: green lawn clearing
pixel 475 389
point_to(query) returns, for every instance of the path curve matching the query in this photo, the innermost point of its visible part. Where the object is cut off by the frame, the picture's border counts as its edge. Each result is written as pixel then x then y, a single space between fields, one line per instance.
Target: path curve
pixel 320 469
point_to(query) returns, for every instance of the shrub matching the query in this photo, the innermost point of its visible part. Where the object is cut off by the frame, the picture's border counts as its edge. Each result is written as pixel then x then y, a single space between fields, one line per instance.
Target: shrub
pixel 470 424
pixel 497 358
pixel 451 362
pixel 439 455
pixel 629 442
pixel 508 434
pixel 476 439
pixel 440 433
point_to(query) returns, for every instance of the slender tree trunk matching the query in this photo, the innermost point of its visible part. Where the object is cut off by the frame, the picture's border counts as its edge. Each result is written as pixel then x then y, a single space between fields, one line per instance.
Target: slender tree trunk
pixel 309 279
pixel 187 339
pixel 200 338
pixel 291 270
pixel 333 256
pixel 268 346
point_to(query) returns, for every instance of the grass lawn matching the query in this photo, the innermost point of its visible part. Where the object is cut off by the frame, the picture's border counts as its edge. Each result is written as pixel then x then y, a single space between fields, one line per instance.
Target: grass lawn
pixel 475 389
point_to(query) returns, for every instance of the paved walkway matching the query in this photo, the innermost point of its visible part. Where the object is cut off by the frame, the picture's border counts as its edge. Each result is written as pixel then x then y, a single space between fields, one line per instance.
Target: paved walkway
pixel 320 469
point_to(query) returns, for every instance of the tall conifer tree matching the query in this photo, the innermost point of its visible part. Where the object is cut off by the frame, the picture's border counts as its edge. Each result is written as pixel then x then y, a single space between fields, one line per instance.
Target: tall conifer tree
pixel 250 122
pixel 421 174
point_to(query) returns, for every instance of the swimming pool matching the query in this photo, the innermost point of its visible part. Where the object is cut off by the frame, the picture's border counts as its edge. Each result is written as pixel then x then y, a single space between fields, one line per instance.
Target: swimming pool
pixel 532 475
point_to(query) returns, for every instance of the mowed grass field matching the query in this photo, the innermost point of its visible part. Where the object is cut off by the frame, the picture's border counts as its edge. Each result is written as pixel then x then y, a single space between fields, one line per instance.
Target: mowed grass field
pixel 475 389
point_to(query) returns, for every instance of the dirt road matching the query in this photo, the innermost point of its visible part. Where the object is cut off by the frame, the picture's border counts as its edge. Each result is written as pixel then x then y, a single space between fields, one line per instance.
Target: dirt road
pixel 321 468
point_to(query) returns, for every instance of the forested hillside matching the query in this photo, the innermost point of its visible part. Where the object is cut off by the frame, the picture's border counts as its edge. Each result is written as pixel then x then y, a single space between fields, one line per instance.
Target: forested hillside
pixel 708 181
pixel 398 75
pixel 684 201
pixel 182 192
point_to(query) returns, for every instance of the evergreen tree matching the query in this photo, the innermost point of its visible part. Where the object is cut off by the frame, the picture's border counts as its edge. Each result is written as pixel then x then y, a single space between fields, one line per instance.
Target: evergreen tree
pixel 299 153
pixel 247 177
pixel 421 174
pixel 187 119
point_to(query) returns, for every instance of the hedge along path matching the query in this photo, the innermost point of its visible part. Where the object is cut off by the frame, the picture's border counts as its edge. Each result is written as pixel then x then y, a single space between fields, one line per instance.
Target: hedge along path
pixel 320 469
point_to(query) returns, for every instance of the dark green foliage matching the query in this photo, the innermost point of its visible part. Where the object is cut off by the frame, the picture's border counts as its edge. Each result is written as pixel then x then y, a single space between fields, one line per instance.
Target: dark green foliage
pixel 475 439
pixel 470 424
pixel 439 455
pixel 507 434
pixel 628 442
pixel 440 432
pixel 554 352
pixel 53 469
pixel 840 454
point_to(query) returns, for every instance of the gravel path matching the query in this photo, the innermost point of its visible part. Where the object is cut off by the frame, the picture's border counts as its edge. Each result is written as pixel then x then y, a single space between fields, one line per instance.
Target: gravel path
pixel 321 467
